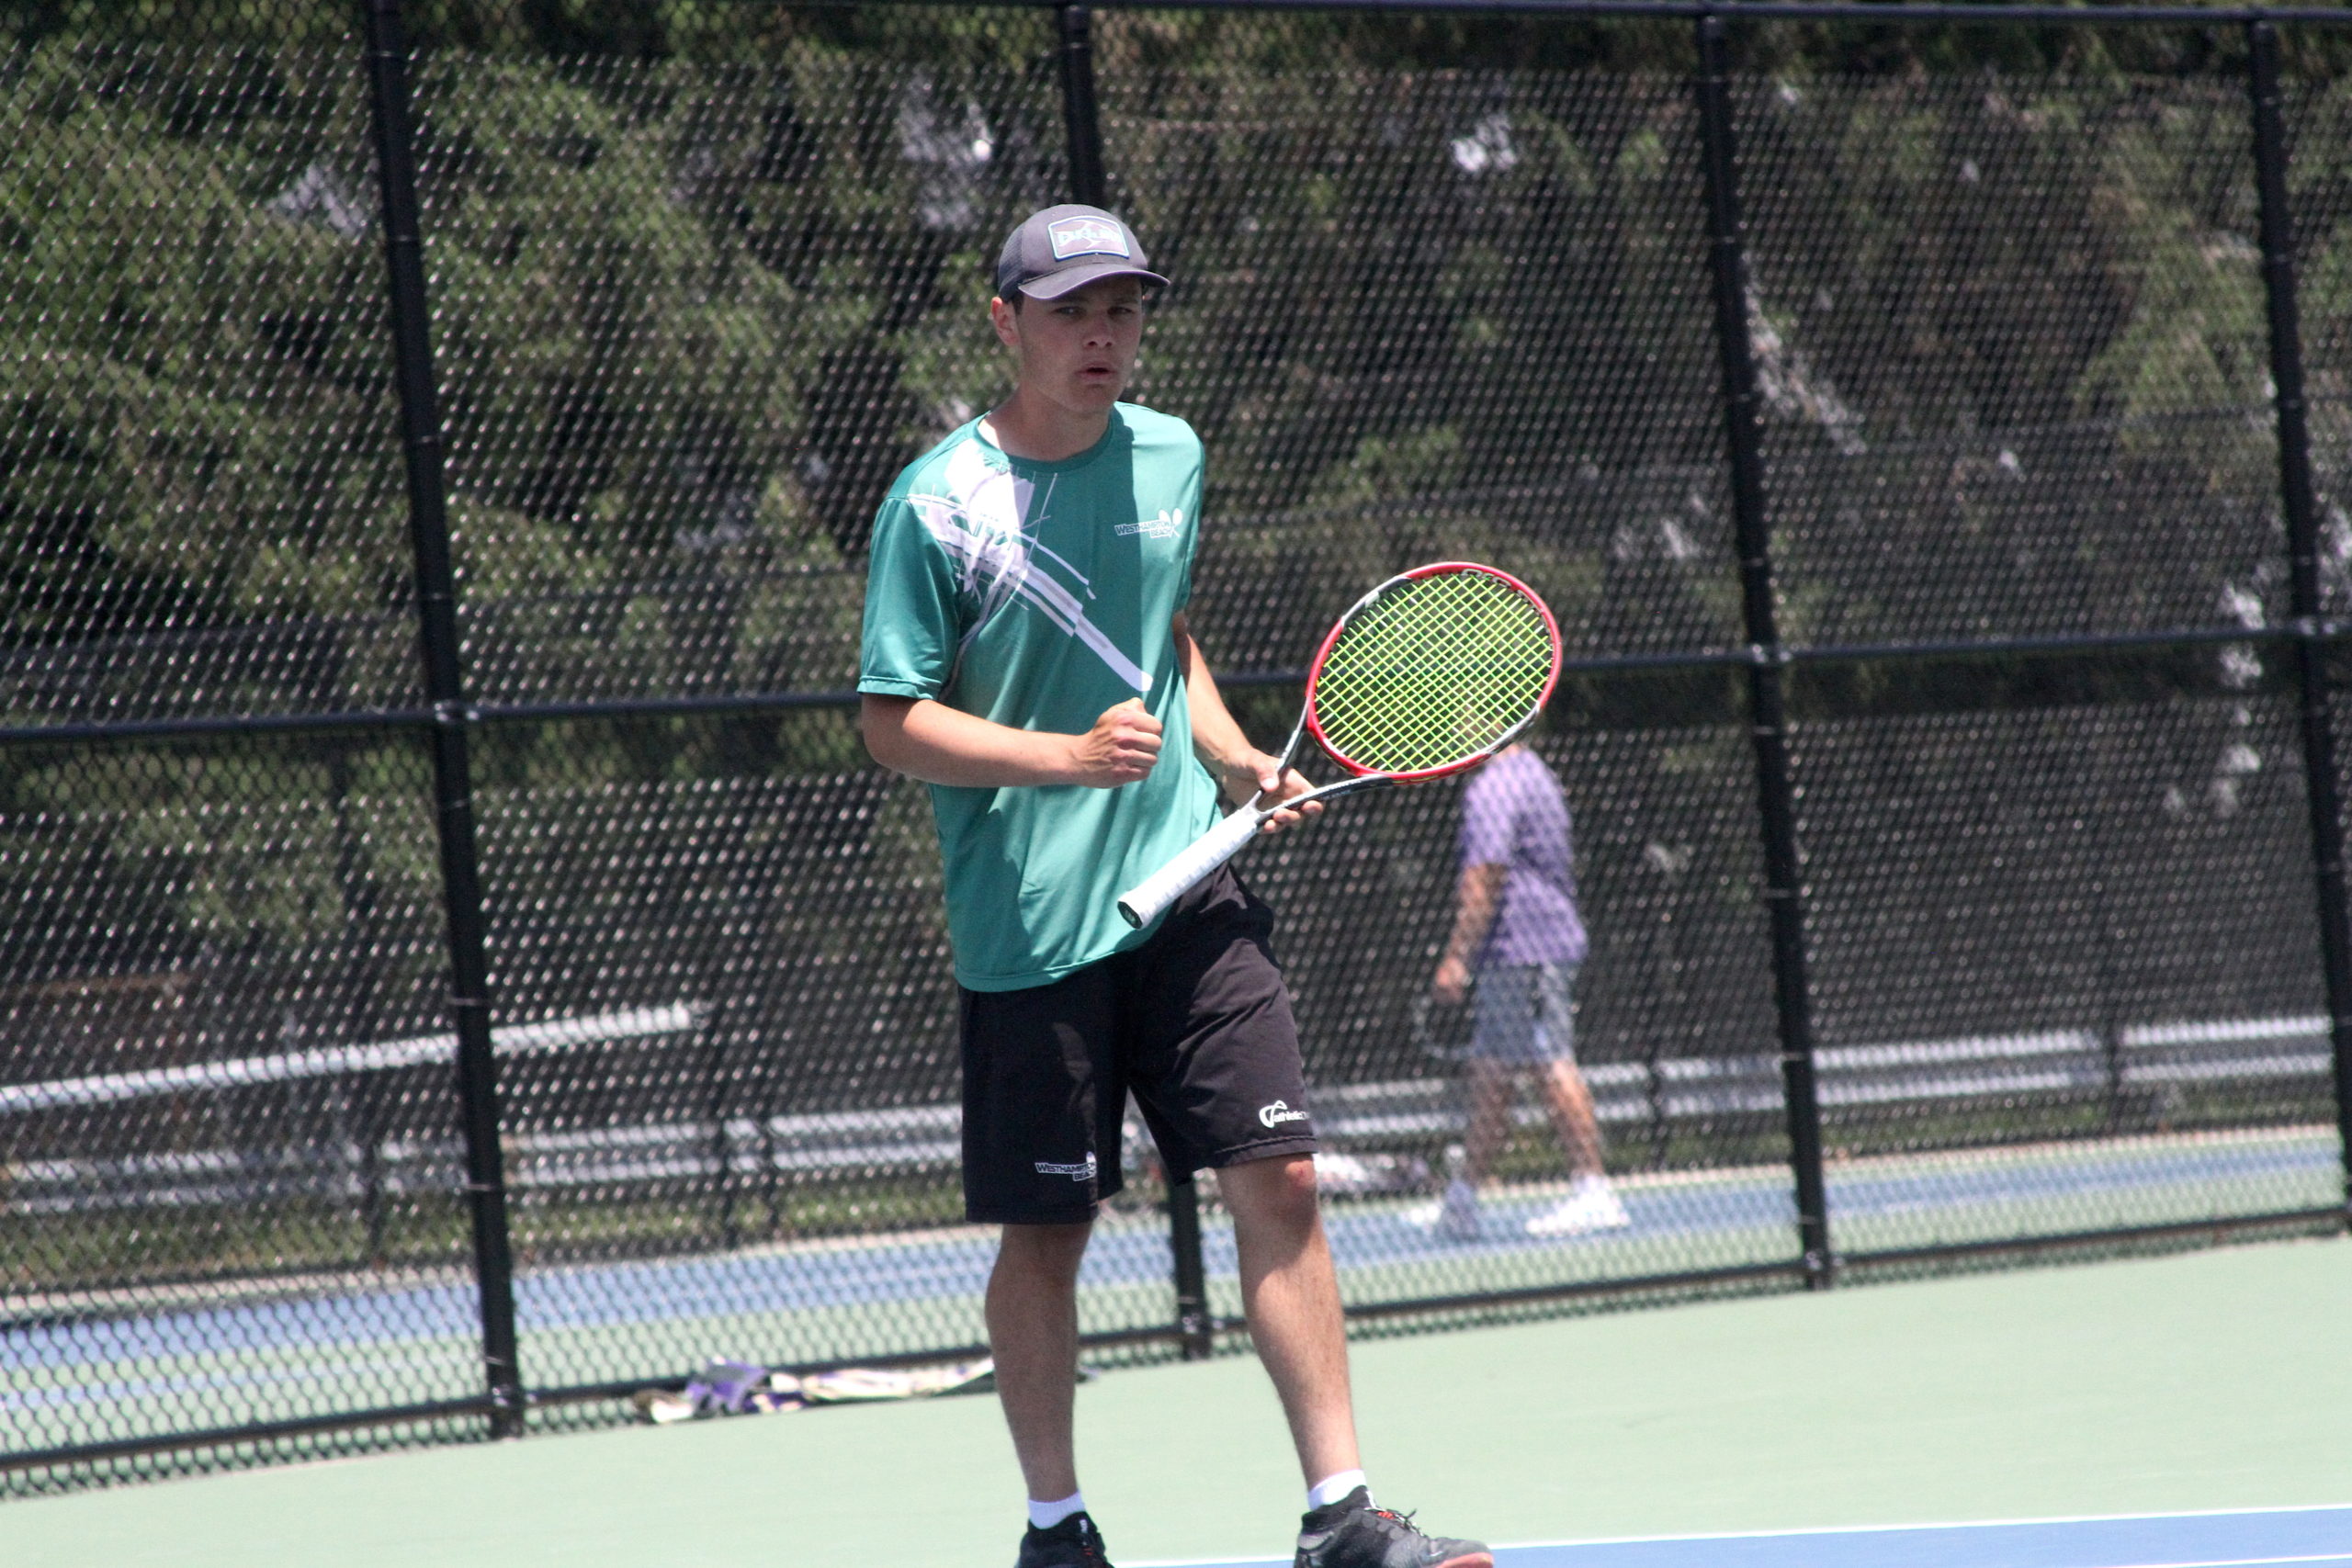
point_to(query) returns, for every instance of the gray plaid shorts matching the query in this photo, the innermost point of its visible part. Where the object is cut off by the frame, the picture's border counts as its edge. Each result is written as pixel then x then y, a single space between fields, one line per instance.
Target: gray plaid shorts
pixel 1523 1016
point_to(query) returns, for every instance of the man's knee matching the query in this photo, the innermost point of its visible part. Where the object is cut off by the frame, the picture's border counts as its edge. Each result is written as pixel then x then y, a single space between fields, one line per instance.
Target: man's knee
pixel 1491 1084
pixel 1568 1082
pixel 1041 1252
pixel 1278 1188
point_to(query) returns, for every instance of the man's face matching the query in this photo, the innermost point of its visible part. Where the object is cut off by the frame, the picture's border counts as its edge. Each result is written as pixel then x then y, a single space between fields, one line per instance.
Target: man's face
pixel 1078 351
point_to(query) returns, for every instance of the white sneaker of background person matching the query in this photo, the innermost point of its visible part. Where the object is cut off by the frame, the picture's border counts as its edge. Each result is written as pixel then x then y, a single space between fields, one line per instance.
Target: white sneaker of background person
pixel 1590 1205
pixel 1453 1215
pixel 1457 1213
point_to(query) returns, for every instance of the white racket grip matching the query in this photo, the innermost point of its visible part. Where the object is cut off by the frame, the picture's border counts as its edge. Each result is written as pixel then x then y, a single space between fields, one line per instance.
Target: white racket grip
pixel 1142 903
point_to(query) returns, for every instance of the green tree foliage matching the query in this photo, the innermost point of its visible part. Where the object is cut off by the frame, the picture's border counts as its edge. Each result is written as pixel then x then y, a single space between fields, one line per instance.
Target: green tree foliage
pixel 191 411
pixel 688 321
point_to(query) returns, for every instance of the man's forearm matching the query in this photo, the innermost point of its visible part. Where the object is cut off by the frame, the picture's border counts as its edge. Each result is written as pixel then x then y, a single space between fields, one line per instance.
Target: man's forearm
pixel 1242 771
pixel 941 745
pixel 1218 740
pixel 1479 892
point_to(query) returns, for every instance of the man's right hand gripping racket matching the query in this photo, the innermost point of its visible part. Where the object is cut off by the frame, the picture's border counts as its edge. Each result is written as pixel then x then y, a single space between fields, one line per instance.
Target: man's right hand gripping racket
pixel 1431 673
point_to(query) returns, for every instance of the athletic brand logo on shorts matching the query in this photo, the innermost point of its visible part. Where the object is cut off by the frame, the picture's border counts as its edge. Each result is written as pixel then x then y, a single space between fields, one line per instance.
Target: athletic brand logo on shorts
pixel 1086 237
pixel 1279 1111
pixel 1082 1171
pixel 1164 527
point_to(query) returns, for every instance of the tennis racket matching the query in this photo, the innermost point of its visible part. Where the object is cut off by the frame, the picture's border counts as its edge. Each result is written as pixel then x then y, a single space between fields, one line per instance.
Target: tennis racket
pixel 1431 673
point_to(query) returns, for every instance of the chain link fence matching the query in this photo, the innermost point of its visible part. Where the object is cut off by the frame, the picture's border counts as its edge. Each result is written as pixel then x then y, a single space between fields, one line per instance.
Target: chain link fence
pixel 1951 734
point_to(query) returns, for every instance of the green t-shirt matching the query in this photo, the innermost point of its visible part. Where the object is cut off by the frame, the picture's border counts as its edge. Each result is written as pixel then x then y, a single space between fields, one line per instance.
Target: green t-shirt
pixel 1037 596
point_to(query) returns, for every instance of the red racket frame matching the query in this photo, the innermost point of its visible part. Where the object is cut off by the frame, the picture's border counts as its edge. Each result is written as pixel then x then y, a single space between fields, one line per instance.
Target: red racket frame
pixel 1315 672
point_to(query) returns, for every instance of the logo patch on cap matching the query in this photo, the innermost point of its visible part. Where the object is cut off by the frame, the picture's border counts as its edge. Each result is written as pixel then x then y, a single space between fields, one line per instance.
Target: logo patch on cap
pixel 1084 236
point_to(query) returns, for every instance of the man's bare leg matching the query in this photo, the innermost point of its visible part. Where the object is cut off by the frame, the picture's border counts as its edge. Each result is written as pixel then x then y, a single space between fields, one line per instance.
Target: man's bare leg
pixel 1490 1087
pixel 1292 1296
pixel 1032 1335
pixel 1571 1106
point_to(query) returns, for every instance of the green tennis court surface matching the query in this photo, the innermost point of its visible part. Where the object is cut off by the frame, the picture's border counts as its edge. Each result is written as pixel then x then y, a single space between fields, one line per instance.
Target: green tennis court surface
pixel 209 1358
pixel 2210 1380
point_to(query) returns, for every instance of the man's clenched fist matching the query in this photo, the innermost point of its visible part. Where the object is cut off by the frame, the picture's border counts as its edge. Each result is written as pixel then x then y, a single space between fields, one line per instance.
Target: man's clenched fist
pixel 1119 750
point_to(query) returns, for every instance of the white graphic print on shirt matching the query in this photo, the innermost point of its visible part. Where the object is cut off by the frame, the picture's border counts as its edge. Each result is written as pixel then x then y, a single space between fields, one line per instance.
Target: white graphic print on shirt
pixel 978 523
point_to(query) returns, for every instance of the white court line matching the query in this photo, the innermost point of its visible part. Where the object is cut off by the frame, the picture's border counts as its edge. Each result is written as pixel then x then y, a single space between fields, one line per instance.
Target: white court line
pixel 1891 1530
pixel 1628 1540
pixel 1948 1525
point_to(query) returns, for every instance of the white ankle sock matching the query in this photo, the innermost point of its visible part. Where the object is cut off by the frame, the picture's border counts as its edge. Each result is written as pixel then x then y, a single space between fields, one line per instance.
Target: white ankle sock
pixel 1332 1488
pixel 1046 1516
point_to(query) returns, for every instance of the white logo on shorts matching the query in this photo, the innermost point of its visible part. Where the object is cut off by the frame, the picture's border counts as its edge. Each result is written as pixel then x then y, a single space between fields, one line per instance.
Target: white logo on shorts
pixel 1082 1171
pixel 1279 1110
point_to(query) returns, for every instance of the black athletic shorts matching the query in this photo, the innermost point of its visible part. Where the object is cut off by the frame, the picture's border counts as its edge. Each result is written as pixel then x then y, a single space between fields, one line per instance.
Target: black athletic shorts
pixel 1195 1023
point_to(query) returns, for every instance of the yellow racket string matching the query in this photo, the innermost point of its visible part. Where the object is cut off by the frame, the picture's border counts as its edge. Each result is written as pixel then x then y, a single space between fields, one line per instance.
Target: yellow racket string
pixel 1433 671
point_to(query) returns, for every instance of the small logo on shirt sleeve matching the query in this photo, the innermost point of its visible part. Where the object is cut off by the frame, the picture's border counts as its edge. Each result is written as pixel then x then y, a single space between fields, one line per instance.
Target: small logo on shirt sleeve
pixel 1277 1112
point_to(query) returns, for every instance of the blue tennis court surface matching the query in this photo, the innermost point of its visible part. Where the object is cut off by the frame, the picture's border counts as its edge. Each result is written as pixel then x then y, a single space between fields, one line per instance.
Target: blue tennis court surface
pixel 2309 1536
pixel 280 1355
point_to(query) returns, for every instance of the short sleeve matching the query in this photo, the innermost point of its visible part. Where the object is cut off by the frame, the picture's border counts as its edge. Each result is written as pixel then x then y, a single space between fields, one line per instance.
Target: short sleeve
pixel 1192 530
pixel 1488 830
pixel 913 620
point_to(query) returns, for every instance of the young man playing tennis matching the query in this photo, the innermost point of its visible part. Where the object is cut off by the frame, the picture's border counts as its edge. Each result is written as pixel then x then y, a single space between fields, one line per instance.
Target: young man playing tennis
pixel 1026 654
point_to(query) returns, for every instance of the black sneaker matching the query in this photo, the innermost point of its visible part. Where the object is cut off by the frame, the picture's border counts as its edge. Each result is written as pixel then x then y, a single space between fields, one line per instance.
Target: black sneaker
pixel 1351 1533
pixel 1073 1543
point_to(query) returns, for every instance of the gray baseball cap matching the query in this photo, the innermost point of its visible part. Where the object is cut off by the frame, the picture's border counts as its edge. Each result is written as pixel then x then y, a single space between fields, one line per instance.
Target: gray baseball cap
pixel 1068 247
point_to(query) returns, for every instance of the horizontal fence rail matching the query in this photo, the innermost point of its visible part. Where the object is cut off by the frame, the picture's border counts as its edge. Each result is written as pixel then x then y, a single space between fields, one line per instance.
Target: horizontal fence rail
pixel 463 970
pixel 2143 1060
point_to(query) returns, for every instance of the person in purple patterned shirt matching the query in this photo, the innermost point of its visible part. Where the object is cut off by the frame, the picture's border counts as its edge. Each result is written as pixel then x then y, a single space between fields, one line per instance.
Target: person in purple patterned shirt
pixel 1517 942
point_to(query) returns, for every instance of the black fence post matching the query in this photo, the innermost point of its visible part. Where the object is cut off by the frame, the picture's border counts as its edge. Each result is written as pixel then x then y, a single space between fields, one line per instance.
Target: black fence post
pixel 1083 130
pixel 1196 1331
pixel 477 1073
pixel 2320 790
pixel 362 1109
pixel 1082 135
pixel 1775 789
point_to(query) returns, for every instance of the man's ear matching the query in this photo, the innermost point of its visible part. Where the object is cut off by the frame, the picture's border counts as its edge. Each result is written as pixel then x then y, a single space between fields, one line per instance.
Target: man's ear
pixel 1007 322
